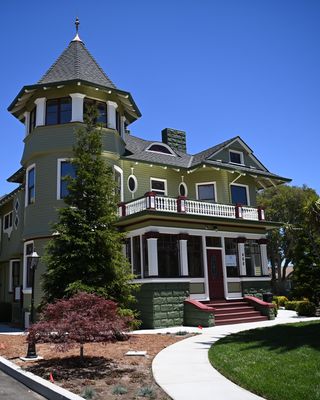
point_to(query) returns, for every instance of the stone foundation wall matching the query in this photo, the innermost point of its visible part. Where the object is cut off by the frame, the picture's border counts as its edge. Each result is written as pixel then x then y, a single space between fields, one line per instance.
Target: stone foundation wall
pixel 161 304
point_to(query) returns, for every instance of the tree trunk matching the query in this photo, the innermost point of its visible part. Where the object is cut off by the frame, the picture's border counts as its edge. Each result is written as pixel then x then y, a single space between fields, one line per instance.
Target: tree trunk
pixel 81 353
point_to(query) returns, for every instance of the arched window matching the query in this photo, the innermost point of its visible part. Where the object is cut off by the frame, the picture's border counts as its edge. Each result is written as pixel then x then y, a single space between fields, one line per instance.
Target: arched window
pixel 160 148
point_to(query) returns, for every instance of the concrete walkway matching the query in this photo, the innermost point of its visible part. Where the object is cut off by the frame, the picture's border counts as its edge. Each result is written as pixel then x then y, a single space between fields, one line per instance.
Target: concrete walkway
pixel 183 369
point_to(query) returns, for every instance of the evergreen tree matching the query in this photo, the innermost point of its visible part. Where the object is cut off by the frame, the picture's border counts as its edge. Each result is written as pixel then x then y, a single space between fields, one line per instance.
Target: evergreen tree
pixel 86 254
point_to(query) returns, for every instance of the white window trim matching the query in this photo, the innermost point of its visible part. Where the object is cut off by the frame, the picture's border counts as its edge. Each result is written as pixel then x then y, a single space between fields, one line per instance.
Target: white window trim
pixel 10 273
pixel 247 192
pixel 135 181
pixel 59 162
pixel 26 203
pixel 160 180
pixel 9 229
pixel 118 169
pixel 25 288
pixel 207 183
pixel 241 157
pixel 160 152
pixel 185 188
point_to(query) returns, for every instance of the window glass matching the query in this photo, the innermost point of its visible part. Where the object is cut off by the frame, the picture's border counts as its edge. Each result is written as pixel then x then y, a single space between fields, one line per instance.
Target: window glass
pixel 15 274
pixel 168 256
pixel 58 111
pixel 66 169
pixel 213 241
pixel 101 109
pixel 52 108
pixel 235 157
pixel 136 264
pixel 32 120
pixel 118 122
pixel 158 187
pixel 7 223
pixel 253 258
pixel 183 189
pixel 206 192
pixel 195 256
pixel 31 186
pixel 118 180
pixel 29 251
pixel 145 257
pixel 159 149
pixel 239 195
pixel 231 257
pixel 132 183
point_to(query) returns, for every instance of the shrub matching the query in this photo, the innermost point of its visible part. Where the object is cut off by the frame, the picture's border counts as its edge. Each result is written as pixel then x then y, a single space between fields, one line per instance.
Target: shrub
pixel 291 305
pixel 306 308
pixel 280 300
pixel 147 391
pixel 88 393
pixel 120 390
pixel 275 309
pixel 5 312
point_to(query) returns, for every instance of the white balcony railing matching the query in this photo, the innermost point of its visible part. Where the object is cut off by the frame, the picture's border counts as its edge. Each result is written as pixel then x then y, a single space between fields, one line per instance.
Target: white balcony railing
pixel 181 205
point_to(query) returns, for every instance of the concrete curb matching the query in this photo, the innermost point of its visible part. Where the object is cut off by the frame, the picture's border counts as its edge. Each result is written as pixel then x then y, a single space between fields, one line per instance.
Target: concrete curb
pixel 35 383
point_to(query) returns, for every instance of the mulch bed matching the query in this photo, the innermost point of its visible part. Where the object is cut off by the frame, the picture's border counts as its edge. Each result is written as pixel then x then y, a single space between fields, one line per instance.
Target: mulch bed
pixel 104 370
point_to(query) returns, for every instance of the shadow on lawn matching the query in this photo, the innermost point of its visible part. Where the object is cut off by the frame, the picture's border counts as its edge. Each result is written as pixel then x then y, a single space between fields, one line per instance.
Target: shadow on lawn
pixel 279 338
pixel 74 368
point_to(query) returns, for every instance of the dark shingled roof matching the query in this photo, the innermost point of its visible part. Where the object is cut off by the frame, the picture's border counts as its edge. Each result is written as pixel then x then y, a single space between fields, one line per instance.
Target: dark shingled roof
pixel 136 151
pixel 76 63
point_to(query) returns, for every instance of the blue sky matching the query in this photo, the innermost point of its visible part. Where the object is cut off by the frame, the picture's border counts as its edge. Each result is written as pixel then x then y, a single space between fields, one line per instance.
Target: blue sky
pixel 214 68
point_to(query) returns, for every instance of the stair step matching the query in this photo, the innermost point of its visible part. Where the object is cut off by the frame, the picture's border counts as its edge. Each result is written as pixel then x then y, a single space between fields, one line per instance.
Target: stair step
pixel 231 304
pixel 240 320
pixel 232 309
pixel 237 315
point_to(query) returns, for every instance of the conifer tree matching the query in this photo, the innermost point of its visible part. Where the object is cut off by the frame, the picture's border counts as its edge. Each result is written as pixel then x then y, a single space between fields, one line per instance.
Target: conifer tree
pixel 85 253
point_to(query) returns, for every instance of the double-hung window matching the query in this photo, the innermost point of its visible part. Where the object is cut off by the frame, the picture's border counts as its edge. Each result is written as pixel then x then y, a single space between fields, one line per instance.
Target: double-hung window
pixel 7 221
pixel 32 119
pixel 206 192
pixel 30 185
pixel 58 111
pixel 14 274
pixel 65 169
pixel 158 186
pixel 27 275
pixel 239 194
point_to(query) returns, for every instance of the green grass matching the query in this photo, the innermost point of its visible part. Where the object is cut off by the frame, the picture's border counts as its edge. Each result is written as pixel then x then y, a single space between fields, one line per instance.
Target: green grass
pixel 278 363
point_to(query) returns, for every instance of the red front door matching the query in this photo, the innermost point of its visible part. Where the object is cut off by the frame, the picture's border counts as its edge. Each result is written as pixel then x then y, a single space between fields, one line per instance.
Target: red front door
pixel 215 274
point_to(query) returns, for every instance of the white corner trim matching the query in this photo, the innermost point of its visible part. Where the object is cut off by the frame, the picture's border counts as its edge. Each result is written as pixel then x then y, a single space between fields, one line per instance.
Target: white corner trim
pixel 120 171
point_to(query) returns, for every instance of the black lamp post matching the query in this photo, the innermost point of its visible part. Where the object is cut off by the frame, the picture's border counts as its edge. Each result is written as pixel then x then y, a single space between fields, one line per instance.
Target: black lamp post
pixel 34 260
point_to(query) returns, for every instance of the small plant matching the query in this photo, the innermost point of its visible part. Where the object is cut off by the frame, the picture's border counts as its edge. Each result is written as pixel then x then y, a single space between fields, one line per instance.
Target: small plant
pixel 88 393
pixel 181 333
pixel 119 389
pixel 280 300
pixel 147 391
pixel 306 309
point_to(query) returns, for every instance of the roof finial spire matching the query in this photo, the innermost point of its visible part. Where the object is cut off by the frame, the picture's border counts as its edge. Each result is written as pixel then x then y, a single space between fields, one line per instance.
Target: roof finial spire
pixel 77 23
pixel 77 38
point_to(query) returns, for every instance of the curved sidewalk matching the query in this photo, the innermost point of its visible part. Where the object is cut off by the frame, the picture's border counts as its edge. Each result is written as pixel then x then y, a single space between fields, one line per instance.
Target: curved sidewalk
pixel 184 372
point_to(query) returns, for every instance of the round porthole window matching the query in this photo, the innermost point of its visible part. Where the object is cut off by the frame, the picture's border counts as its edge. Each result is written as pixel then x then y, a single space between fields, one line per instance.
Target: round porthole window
pixel 132 183
pixel 183 190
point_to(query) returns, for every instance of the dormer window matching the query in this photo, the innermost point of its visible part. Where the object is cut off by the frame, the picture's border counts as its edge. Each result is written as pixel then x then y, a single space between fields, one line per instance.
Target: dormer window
pixel 58 111
pixel 236 157
pixel 160 148
pixel 101 108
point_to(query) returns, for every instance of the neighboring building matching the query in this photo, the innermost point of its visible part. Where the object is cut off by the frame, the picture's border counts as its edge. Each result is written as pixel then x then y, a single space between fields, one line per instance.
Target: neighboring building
pixel 192 223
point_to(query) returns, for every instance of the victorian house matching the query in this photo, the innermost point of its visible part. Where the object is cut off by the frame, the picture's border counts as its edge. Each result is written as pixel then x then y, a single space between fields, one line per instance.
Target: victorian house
pixel 194 230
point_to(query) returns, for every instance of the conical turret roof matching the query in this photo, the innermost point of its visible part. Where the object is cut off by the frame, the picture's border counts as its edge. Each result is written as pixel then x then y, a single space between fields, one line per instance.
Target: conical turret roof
pixel 76 63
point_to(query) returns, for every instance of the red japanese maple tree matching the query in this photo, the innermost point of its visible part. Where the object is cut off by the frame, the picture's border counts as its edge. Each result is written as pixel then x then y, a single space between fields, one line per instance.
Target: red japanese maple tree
pixel 78 320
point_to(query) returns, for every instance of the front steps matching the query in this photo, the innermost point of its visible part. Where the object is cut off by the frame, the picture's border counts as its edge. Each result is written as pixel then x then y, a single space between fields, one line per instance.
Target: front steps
pixel 227 312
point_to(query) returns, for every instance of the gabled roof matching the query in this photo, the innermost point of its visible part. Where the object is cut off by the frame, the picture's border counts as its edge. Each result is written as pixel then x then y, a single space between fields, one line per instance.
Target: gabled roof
pixel 76 63
pixel 7 197
pixel 136 150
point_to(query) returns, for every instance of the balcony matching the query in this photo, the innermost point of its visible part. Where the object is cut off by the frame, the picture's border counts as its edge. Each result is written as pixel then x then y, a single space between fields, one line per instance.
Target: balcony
pixel 182 205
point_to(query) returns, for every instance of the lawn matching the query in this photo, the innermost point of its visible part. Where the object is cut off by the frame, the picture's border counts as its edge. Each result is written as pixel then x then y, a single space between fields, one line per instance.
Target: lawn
pixel 277 363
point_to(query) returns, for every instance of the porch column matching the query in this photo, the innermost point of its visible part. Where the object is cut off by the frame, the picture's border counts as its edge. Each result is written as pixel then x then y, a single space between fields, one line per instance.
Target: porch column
pixel 40 111
pixel 77 107
pixel 242 256
pixel 152 245
pixel 264 256
pixel 112 106
pixel 183 241
pixel 123 120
